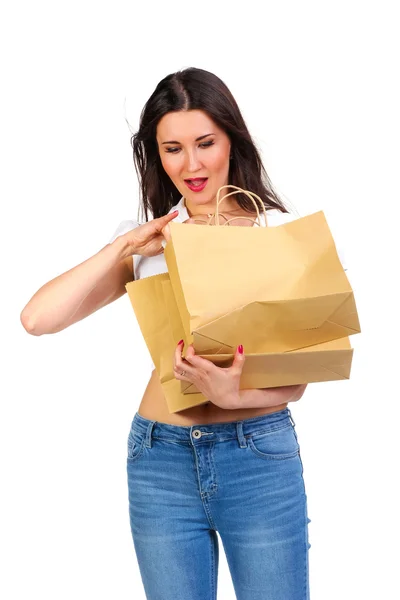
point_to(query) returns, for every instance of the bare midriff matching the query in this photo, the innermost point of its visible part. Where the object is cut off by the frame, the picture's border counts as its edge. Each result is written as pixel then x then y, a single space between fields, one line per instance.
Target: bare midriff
pixel 154 407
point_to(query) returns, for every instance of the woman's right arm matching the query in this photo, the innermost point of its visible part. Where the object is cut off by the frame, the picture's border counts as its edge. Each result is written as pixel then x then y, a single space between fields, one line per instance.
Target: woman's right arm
pixel 96 282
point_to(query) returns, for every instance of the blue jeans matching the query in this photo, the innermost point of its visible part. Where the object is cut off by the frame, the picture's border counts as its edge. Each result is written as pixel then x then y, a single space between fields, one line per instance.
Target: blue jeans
pixel 242 479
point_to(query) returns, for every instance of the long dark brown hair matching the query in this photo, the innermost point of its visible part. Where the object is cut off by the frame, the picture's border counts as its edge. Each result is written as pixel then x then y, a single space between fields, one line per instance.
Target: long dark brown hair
pixel 196 89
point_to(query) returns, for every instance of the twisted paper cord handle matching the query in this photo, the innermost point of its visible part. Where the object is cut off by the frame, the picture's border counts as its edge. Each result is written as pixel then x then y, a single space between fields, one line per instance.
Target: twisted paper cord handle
pixel 237 190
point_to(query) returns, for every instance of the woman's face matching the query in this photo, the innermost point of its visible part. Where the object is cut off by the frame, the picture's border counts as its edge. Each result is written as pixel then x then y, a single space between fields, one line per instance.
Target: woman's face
pixel 195 153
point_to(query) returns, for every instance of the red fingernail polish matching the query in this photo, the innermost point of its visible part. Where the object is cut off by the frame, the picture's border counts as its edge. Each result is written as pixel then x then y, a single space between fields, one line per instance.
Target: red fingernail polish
pixel 240 349
pixel 179 343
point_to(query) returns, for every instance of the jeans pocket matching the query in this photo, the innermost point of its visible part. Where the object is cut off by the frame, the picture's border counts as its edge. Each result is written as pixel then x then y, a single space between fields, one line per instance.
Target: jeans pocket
pixel 279 444
pixel 135 445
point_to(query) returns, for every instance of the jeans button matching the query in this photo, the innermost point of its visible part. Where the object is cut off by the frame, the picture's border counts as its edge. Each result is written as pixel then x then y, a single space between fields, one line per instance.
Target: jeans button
pixel 196 433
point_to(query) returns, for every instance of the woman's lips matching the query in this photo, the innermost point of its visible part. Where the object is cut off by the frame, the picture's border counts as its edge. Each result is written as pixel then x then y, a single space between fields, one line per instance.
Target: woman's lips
pixel 197 184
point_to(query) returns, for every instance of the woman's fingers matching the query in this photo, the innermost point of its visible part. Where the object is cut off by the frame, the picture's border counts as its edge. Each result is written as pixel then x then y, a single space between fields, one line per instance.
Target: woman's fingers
pixel 180 364
pixel 167 234
pixel 197 361
pixel 165 229
pixel 161 222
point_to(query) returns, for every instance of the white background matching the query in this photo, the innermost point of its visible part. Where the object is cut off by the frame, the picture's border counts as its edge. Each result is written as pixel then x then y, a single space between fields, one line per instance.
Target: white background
pixel 317 84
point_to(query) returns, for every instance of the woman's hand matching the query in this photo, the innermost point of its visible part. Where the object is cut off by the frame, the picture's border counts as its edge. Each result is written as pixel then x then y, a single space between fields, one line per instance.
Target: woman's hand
pixel 147 239
pixel 219 385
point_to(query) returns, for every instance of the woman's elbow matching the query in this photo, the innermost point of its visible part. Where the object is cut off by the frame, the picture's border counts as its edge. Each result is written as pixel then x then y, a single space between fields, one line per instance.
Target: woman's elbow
pixel 28 322
pixel 298 392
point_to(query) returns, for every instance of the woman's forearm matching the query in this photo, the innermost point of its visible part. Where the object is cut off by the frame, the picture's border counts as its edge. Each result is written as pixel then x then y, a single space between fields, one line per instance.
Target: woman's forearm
pixel 265 397
pixel 55 303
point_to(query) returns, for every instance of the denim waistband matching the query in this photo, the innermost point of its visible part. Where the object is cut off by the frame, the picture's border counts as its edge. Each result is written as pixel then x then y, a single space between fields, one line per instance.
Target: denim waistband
pixel 211 431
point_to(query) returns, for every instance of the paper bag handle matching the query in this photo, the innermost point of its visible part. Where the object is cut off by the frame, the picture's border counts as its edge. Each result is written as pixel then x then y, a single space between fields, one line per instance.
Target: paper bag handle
pixel 250 195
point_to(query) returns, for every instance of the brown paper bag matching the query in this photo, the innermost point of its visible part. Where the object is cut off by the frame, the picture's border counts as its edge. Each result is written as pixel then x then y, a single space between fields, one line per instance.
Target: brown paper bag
pixel 272 289
pixel 154 304
pixel 330 361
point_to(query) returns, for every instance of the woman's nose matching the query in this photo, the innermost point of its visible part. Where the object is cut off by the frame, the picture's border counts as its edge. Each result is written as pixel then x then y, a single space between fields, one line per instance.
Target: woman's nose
pixel 193 162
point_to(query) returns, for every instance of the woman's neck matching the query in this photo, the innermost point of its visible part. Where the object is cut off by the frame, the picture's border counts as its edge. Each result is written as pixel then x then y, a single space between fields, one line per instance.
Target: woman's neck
pixel 227 207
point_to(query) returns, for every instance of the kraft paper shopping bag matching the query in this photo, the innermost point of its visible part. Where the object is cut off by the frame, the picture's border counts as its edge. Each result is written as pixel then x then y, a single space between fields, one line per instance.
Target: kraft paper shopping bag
pixel 272 289
pixel 330 361
pixel 153 302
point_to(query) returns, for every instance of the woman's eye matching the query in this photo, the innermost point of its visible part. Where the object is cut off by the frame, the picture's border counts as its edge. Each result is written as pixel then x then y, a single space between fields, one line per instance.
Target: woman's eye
pixel 175 150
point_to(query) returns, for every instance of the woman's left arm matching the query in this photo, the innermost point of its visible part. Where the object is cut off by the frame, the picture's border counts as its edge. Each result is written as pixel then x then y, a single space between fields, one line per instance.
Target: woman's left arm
pixel 221 385
pixel 264 397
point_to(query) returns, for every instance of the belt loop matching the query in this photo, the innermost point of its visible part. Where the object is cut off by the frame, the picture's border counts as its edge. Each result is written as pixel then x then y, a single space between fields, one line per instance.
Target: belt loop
pixel 148 434
pixel 291 418
pixel 240 435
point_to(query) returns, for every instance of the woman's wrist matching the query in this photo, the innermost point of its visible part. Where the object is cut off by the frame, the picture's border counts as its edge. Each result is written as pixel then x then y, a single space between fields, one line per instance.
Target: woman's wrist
pixel 123 247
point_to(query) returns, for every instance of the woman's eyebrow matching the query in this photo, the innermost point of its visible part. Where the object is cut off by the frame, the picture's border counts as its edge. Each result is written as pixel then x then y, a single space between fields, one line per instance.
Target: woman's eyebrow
pixel 196 140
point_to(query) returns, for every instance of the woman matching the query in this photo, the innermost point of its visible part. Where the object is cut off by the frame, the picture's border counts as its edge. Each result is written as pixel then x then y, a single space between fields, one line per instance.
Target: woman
pixel 232 465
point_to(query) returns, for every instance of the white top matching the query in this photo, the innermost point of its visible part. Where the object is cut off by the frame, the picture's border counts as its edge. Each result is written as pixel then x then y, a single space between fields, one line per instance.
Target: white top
pixel 145 266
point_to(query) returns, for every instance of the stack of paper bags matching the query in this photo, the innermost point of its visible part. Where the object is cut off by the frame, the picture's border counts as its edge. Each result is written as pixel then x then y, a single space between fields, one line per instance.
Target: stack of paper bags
pixel 280 291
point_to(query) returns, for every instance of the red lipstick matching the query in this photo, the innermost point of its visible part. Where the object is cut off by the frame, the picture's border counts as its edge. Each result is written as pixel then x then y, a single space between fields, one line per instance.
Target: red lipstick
pixel 197 184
